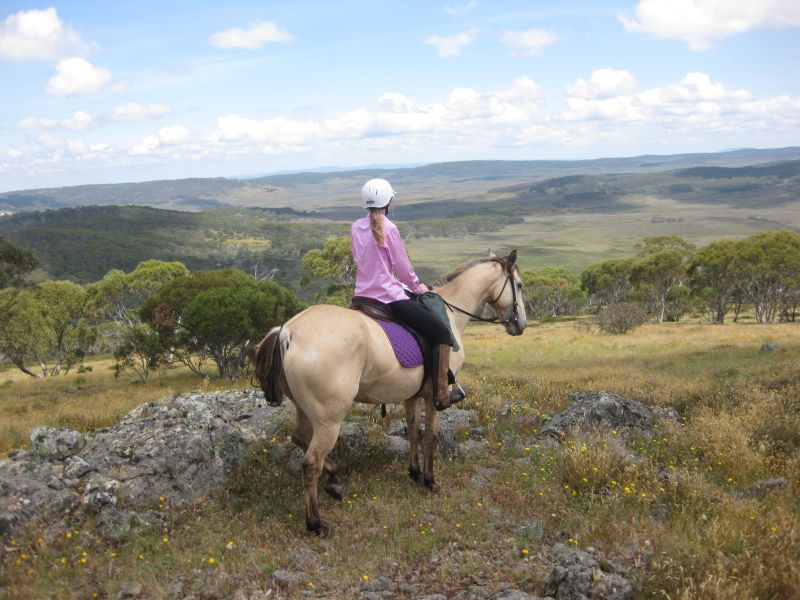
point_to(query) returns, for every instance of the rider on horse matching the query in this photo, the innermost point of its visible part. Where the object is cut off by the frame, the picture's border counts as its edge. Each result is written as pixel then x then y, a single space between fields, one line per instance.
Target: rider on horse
pixel 382 270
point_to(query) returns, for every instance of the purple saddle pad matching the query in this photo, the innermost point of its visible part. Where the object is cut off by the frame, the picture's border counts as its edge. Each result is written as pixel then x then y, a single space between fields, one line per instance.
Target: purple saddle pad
pixel 405 346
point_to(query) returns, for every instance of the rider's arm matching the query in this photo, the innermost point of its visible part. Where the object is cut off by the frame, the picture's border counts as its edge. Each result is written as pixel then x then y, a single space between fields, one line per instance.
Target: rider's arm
pixel 400 264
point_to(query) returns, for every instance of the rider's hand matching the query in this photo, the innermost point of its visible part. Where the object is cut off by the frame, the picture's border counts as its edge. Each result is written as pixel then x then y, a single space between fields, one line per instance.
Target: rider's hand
pixel 423 289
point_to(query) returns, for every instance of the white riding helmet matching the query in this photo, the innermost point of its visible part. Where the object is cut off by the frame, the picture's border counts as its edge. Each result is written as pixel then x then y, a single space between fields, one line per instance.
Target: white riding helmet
pixel 376 193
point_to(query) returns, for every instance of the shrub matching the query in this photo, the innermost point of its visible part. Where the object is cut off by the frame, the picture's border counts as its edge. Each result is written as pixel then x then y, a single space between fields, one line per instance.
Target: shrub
pixel 620 318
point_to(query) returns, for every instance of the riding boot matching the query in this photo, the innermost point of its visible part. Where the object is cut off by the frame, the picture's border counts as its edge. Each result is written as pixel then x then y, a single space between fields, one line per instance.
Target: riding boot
pixel 440 363
pixel 441 375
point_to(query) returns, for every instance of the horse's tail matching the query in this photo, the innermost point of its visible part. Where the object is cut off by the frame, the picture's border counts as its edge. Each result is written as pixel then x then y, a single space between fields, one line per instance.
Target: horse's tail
pixel 268 362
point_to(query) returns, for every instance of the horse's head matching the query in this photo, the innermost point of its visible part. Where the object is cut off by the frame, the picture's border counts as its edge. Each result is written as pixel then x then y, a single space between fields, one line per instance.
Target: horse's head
pixel 506 294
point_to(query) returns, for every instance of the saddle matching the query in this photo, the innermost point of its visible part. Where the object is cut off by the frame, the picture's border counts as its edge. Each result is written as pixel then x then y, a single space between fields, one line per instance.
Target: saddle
pixel 409 346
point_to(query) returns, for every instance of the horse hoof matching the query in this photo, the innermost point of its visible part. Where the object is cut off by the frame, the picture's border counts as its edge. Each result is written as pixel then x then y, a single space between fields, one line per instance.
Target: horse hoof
pixel 415 474
pixel 432 486
pixel 334 491
pixel 320 529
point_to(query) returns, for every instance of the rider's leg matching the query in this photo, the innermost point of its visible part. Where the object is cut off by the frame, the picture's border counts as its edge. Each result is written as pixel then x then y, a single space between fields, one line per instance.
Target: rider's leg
pixel 415 316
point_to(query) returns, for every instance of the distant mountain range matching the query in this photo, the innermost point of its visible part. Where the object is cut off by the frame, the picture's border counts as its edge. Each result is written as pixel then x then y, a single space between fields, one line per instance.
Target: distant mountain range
pixel 463 180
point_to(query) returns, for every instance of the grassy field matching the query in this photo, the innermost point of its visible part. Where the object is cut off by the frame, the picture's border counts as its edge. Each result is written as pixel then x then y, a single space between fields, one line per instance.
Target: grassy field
pixel 666 505
pixel 575 240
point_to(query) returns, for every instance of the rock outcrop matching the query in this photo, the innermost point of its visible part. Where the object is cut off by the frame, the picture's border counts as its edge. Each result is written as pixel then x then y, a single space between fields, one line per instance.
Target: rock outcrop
pixel 175 451
pixel 592 410
pixel 179 449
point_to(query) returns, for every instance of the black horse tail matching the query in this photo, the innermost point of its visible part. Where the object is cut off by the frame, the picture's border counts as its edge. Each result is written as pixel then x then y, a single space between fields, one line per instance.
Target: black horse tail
pixel 268 362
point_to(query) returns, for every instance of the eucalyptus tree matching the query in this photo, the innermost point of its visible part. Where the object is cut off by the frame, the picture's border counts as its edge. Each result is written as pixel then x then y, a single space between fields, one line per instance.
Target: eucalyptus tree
pixel 222 313
pixel 768 267
pixel 608 282
pixel 714 277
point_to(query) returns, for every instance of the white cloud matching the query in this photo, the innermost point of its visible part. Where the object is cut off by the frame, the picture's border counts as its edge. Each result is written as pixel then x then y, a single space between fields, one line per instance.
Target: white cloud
pixel 695 98
pixel 139 112
pixel 528 43
pixel 15 153
pixel 146 146
pixel 455 10
pixel 173 134
pixel 450 46
pixel 256 36
pixel 38 35
pixel 702 22
pixel 464 114
pixel 604 83
pixel 79 121
pixel 77 76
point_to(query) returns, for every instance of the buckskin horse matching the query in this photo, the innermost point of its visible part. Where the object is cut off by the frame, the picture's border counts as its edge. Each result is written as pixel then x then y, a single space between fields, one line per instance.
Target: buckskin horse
pixel 327 357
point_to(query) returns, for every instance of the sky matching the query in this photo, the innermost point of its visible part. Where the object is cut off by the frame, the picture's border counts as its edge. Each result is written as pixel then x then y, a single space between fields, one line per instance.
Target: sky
pixel 104 92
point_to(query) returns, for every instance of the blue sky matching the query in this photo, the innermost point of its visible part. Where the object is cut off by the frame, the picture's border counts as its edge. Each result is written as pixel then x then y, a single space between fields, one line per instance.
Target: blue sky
pixel 97 92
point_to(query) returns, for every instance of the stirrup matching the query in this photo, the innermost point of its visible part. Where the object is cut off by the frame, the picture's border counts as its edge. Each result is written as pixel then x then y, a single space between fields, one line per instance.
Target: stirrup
pixel 457 394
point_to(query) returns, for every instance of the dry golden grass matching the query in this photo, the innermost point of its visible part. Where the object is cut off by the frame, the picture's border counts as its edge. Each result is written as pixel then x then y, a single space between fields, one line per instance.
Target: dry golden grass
pixel 82 401
pixel 672 506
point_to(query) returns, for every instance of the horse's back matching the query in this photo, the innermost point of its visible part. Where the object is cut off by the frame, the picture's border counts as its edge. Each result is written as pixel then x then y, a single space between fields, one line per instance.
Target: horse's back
pixel 339 351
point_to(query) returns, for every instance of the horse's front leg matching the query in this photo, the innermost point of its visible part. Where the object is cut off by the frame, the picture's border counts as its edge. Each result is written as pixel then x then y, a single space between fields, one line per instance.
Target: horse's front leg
pixel 412 426
pixel 429 443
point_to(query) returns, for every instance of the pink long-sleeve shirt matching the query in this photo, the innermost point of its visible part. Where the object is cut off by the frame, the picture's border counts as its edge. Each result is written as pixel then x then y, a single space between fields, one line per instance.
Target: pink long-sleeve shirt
pixel 381 270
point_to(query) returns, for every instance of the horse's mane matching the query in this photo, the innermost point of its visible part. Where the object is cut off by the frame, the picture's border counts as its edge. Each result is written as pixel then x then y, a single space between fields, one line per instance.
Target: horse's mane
pixel 468 265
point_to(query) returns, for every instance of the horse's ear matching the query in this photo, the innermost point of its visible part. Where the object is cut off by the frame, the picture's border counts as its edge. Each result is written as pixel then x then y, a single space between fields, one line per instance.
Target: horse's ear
pixel 492 254
pixel 511 261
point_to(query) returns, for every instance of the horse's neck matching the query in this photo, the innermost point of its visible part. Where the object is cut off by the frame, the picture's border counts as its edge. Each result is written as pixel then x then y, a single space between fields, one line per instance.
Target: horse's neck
pixel 468 291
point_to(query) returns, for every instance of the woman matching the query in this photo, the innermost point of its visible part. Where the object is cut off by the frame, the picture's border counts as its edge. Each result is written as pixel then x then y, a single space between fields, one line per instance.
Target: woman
pixel 382 267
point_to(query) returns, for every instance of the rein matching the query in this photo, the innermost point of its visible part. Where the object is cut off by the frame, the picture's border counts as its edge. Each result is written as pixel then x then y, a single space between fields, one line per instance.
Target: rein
pixel 514 311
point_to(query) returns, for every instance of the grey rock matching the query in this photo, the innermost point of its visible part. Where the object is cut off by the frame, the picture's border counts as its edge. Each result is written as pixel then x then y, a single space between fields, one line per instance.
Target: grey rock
pixel 70 389
pixel 600 409
pixel 294 465
pixel 379 583
pixel 353 436
pixel 306 559
pixel 531 528
pixel 130 589
pixel 290 580
pixel 769 347
pixel 578 575
pixel 179 448
pixel 397 428
pixel 482 479
pixel 473 592
pixel 513 594
pixel 114 523
pixel 100 492
pixel 396 446
pixel 432 597
pixel 75 467
pixel 53 443
pixel 473 446
pixel 762 488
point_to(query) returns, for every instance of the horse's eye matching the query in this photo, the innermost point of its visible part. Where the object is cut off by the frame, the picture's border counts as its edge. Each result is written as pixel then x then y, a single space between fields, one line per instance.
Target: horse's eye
pixel 519 286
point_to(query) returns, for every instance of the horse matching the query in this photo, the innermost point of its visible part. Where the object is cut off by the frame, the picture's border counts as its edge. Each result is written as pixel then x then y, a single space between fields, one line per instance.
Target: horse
pixel 327 357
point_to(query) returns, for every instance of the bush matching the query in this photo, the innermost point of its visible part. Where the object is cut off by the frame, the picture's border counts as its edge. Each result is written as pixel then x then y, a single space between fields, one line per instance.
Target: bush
pixel 620 318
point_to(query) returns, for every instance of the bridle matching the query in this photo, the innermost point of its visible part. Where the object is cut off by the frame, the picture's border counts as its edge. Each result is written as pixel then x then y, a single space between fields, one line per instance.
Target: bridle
pixel 513 317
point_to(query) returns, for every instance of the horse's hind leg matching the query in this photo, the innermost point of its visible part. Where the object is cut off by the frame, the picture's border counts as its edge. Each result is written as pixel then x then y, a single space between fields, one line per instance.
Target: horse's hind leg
pixel 322 442
pixel 301 436
pixel 429 443
pixel 412 426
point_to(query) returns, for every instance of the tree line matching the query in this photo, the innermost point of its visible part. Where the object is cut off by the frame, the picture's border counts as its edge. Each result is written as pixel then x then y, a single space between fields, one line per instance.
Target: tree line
pixel 161 314
pixel 669 278
pixel 156 315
